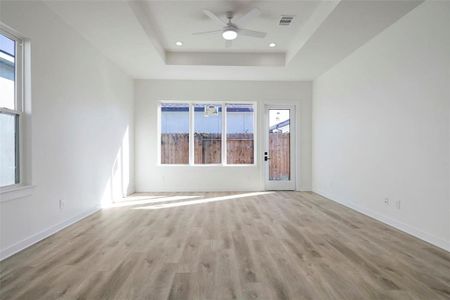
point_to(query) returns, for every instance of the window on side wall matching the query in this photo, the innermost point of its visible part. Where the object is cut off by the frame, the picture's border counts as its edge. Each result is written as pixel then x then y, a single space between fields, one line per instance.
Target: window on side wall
pixel 10 109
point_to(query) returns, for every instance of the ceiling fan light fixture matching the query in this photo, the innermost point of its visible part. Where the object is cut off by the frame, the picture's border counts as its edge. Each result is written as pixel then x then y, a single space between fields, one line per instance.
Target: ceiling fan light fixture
pixel 271 45
pixel 179 43
pixel 229 34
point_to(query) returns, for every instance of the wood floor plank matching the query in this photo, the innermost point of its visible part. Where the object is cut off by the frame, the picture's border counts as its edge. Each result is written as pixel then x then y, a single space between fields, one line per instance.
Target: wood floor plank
pixel 267 245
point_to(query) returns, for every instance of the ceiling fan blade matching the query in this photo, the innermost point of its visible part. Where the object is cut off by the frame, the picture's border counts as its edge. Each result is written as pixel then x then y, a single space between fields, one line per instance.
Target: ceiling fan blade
pixel 206 32
pixel 228 43
pixel 252 33
pixel 215 18
pixel 248 16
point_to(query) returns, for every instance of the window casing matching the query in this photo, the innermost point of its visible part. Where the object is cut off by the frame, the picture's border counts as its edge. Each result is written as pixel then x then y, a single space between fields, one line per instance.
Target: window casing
pixel 214 138
pixel 11 108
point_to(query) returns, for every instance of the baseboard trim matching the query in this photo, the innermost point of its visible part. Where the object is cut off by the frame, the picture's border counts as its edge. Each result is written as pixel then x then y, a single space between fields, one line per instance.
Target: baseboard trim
pixel 29 241
pixel 203 190
pixel 304 189
pixel 411 230
pixel 200 190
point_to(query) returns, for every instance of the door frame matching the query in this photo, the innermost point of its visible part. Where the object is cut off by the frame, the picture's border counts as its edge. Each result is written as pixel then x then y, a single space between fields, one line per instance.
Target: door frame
pixel 280 185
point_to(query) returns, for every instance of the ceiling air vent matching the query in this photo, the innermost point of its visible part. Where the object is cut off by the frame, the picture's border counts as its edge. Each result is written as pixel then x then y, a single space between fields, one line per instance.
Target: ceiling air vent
pixel 286 20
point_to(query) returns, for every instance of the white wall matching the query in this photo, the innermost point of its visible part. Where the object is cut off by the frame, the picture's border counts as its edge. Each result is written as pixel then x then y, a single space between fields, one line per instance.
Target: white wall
pixel 151 177
pixel 81 136
pixel 381 126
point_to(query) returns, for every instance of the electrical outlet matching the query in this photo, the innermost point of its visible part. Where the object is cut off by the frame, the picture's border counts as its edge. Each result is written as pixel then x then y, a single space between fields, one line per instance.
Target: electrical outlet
pixel 397 204
pixel 387 201
pixel 61 203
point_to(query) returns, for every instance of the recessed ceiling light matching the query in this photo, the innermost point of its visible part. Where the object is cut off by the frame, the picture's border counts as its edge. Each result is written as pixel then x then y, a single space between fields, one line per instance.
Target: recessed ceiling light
pixel 179 44
pixel 271 45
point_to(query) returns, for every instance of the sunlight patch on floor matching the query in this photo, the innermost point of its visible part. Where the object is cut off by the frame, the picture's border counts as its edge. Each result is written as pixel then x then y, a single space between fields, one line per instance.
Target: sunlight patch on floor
pixel 202 201
pixel 151 200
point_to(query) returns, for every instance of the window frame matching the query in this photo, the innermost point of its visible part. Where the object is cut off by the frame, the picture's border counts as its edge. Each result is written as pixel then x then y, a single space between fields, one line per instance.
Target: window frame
pixel 224 162
pixel 18 109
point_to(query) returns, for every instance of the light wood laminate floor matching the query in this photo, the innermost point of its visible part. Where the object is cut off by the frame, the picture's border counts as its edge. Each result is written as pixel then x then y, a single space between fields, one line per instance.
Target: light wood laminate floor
pixel 274 245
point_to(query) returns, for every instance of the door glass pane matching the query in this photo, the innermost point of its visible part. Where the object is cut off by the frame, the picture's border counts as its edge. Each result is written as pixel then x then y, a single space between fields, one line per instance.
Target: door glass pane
pixel 9 173
pixel 7 72
pixel 240 141
pixel 279 144
pixel 174 133
pixel 207 134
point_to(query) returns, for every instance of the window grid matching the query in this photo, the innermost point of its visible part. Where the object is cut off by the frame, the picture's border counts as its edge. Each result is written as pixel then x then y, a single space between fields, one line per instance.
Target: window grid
pixel 223 132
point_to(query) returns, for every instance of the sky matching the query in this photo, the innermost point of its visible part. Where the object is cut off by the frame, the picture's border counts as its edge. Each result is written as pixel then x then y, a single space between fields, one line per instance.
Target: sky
pixel 6 45
pixel 277 116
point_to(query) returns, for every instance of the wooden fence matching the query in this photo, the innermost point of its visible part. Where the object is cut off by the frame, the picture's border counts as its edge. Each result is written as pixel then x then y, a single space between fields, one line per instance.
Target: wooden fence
pixel 207 150
pixel 279 149
pixel 175 148
pixel 240 148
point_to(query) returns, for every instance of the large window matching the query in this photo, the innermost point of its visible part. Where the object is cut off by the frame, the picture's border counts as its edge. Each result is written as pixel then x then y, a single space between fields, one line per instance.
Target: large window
pixel 207 133
pixel 10 109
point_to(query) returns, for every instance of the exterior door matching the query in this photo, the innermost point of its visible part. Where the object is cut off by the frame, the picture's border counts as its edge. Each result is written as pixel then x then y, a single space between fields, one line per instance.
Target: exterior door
pixel 279 151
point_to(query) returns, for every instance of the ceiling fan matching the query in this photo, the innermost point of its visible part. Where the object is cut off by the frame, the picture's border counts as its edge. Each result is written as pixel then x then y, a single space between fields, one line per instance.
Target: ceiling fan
pixel 230 30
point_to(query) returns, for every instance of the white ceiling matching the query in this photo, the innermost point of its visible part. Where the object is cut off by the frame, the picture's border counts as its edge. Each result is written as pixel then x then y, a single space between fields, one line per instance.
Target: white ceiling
pixel 139 36
pixel 176 21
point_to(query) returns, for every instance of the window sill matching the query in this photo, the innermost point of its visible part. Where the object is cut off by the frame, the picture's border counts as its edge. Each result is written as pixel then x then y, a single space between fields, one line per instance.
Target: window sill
pixel 15 192
pixel 208 165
